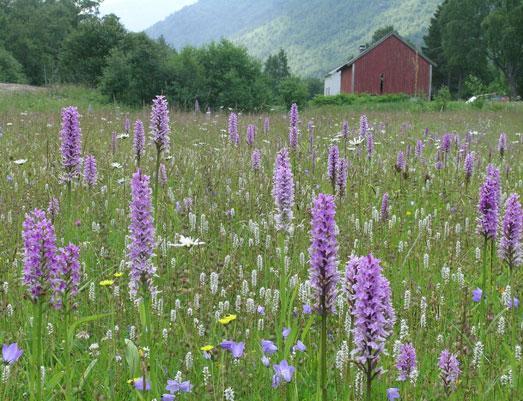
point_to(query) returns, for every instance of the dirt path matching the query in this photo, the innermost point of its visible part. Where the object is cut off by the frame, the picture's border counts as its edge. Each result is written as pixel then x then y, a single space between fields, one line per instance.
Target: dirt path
pixel 12 88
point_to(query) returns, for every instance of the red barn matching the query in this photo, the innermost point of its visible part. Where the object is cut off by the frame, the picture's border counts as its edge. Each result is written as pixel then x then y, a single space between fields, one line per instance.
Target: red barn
pixel 391 65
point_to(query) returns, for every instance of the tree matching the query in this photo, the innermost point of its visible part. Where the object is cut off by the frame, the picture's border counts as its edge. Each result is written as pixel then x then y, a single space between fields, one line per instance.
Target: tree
pixel 85 51
pixel 276 66
pixel 456 42
pixel 382 32
pixel 33 32
pixel 232 77
pixel 10 69
pixel 187 79
pixel 293 90
pixel 504 30
pixel 136 70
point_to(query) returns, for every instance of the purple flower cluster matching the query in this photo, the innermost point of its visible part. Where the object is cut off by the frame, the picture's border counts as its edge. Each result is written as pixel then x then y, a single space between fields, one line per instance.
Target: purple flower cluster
pixel 323 273
pixel 160 123
pixel 163 175
pixel 488 206
pixel 53 208
pixel 345 129
pixel 266 125
pixel 141 247
pixel 40 264
pixel 418 150
pixel 234 136
pixel 293 127
pixel 293 115
pixel 283 191
pixel 48 270
pixel 71 137
pixel 510 243
pixel 401 164
pixel 138 140
pixel 384 213
pixel 374 315
pixel 90 171
pixel 68 274
pixel 446 142
pixel 351 271
pixel 502 144
pixel 332 163
pixel 469 166
pixel 256 159
pixel 127 124
pixel 342 170
pixel 449 370
pixel 370 145
pixel 406 362
pixel 251 134
pixel 364 125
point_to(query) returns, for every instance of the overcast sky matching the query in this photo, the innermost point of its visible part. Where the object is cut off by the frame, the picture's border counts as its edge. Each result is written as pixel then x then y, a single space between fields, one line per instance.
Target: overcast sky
pixel 138 15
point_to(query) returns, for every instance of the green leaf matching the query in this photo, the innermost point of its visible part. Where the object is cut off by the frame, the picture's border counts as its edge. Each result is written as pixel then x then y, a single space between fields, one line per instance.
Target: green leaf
pixel 74 325
pixel 86 374
pixel 132 357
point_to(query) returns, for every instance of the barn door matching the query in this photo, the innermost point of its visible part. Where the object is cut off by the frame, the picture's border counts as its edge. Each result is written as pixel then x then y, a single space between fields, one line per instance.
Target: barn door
pixel 382 83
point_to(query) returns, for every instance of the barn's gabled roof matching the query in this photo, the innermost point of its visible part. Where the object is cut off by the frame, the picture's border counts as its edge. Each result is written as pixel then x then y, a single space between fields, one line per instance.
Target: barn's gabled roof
pixel 379 42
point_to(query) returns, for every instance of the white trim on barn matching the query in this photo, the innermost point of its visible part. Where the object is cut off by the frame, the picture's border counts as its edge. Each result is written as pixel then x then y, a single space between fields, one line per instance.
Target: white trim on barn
pixel 332 85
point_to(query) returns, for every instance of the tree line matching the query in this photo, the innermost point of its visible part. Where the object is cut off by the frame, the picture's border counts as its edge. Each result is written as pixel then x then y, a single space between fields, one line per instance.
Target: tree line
pixel 477 46
pixel 67 41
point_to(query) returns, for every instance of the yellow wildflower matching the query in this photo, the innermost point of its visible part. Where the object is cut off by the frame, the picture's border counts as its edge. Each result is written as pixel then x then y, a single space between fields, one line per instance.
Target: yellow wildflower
pixel 106 283
pixel 207 348
pixel 118 274
pixel 227 319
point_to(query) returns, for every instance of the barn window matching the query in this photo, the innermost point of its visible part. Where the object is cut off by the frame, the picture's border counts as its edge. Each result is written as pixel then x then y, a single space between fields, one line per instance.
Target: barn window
pixel 382 79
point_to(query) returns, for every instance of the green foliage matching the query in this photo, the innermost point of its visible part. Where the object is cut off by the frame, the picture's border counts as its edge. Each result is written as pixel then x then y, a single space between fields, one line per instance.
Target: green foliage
pixel 85 51
pixel 443 97
pixel 276 67
pixel 346 99
pixel 474 86
pixel 34 31
pixel 476 38
pixel 10 69
pixel 503 32
pixel 232 77
pixel 293 90
pixel 382 32
pixel 136 70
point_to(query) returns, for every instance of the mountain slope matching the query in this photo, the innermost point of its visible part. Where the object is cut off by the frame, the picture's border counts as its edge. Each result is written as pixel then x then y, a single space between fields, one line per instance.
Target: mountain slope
pixel 317 35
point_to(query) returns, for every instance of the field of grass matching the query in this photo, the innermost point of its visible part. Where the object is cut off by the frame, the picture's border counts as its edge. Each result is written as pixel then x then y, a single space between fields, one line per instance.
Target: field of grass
pixel 428 246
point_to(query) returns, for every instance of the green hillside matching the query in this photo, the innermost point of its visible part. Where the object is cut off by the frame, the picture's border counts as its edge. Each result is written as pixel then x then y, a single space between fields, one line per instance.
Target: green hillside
pixel 317 34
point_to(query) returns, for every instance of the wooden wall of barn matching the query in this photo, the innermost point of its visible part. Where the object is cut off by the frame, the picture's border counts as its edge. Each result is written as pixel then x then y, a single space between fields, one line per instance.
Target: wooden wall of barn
pixel 346 80
pixel 404 71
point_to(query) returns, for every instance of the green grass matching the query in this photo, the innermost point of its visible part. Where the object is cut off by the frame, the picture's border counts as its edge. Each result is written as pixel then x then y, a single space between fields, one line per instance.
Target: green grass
pixel 431 213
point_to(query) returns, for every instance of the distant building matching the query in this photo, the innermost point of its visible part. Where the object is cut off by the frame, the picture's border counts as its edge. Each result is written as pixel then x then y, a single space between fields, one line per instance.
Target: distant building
pixel 391 65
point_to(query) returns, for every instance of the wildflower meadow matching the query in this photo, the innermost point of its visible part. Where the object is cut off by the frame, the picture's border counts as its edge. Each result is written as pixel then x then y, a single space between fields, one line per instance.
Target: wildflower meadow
pixel 315 254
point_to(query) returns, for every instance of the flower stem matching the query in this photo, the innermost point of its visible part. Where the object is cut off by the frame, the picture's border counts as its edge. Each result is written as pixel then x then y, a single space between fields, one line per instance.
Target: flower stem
pixel 323 356
pixel 37 348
